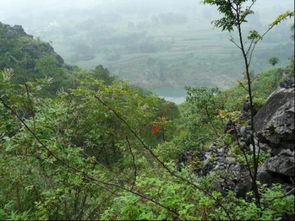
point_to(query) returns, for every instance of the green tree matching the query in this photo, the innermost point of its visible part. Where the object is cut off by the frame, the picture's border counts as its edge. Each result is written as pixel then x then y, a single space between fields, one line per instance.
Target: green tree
pixel 203 108
pixel 273 61
pixel 235 13
pixel 81 132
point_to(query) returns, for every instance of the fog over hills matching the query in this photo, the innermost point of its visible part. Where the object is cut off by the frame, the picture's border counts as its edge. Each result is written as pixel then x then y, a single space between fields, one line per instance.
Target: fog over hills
pixel 142 110
pixel 154 44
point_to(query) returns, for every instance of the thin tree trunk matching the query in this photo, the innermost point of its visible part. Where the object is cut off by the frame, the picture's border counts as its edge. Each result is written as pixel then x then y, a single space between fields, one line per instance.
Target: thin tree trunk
pixel 254 179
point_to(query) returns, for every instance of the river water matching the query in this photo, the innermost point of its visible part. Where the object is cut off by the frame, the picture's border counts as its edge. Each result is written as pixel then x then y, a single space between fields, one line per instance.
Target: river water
pixel 176 95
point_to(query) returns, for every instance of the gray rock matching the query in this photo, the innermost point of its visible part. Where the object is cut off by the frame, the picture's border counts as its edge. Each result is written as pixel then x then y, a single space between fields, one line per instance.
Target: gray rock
pixel 278 169
pixel 234 176
pixel 284 163
pixel 18 29
pixel 287 83
pixel 274 122
pixel 230 160
pixel 36 51
pixel 243 132
pixel 269 111
pixel 265 176
pixel 274 126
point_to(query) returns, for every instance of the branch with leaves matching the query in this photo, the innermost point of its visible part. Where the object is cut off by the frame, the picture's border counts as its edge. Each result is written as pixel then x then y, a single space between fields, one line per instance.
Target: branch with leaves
pixel 171 172
pixel 104 185
pixel 234 14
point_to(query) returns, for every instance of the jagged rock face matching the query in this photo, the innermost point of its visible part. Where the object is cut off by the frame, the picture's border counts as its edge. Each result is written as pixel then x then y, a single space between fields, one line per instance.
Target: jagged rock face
pixel 274 122
pixel 36 50
pixel 217 160
pixel 289 83
pixel 14 31
pixel 279 168
pixel 27 56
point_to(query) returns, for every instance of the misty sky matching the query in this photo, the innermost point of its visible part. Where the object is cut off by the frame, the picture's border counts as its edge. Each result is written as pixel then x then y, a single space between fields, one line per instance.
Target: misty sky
pixel 11 10
pixel 35 15
pixel 124 35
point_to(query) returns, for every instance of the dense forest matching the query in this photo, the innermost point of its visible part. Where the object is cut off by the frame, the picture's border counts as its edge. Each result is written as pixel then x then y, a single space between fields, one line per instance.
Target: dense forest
pixel 83 144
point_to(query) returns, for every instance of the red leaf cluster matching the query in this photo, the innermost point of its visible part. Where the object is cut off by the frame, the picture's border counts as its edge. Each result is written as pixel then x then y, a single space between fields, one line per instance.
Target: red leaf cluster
pixel 156 126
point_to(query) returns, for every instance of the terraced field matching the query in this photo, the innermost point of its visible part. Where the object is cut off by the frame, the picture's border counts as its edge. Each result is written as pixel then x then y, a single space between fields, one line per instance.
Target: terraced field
pixel 163 44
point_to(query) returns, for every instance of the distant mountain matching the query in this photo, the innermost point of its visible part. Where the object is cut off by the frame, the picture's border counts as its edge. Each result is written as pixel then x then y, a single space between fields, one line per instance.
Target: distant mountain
pixel 152 44
pixel 30 58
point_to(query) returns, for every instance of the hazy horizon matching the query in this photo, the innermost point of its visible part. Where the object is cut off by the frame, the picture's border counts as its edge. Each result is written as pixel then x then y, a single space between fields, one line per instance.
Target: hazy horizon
pixel 154 44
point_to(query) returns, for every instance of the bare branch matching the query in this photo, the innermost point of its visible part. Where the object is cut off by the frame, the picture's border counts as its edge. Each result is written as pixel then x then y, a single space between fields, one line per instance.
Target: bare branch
pixel 253 2
pixel 255 42
pixel 172 173
pixel 251 53
pixel 250 46
pixel 31 104
pixel 250 93
pixel 102 184
pixel 244 153
pixel 233 41
pixel 292 191
pixel 135 135
pixel 133 161
pixel 30 130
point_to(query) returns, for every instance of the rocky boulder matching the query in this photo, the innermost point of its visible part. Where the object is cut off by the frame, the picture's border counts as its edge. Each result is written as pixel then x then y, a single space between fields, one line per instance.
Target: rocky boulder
pixel 274 122
pixel 279 169
pixel 217 160
pixel 36 51
pixel 16 30
pixel 275 128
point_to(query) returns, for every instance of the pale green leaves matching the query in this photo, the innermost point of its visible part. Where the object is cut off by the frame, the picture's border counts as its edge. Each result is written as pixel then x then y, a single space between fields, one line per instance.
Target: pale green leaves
pixel 6 74
pixel 282 17
pixel 233 13
pixel 254 35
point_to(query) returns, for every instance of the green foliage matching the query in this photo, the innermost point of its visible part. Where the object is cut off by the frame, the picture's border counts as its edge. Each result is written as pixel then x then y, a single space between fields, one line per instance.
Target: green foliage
pixel 228 9
pixel 269 80
pixel 202 108
pixel 282 17
pixel 76 128
pixel 193 205
pixel 66 143
pixel 273 61
pixel 83 132
pixel 190 204
pixel 30 59
pixel 254 35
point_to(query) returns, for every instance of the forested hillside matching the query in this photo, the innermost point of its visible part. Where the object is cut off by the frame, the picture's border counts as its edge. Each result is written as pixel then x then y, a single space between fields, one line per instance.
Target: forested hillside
pixel 80 144
pixel 156 44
